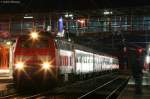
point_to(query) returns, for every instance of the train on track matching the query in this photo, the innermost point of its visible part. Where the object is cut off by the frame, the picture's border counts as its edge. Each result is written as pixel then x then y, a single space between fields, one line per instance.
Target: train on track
pixel 40 59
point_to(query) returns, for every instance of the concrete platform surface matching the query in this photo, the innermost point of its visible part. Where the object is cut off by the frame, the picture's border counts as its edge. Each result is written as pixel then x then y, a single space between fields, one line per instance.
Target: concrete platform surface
pixel 129 93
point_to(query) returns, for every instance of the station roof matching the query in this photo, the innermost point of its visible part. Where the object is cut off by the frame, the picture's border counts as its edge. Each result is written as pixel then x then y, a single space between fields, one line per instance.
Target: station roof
pixel 82 8
pixel 61 5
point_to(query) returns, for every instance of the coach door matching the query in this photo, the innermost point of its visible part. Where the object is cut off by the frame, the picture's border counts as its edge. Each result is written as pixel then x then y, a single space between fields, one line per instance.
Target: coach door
pixel 5 58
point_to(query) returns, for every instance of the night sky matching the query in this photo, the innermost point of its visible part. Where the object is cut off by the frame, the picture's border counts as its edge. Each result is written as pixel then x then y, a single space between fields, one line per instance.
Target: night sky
pixel 48 5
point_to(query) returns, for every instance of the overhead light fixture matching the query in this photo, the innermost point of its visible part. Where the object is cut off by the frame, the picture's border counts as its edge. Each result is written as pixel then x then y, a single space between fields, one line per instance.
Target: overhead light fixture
pixel 28 17
pixel 106 12
pixel 60 19
pixel 68 15
pixel 81 21
pixel 8 42
pixel 147 59
pixel 149 49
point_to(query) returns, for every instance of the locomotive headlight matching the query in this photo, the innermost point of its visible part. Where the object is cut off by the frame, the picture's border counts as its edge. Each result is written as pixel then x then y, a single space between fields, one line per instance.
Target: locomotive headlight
pixel 34 35
pixel 19 65
pixel 46 65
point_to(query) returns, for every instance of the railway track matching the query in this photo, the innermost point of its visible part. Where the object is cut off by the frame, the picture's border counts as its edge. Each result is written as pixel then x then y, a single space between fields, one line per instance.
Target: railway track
pixel 109 90
pixel 74 90
pixel 80 90
pixel 8 90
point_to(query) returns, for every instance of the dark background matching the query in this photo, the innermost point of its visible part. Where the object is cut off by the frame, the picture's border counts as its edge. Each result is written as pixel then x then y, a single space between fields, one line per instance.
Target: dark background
pixel 50 5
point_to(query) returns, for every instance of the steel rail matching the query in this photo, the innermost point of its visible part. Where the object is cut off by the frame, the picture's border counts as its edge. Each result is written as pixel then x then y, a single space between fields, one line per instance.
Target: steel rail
pixel 97 88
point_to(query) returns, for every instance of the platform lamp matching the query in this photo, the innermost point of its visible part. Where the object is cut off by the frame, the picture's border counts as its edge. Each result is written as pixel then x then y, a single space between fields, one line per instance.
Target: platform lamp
pixel 68 16
pixel 147 57
pixel 28 16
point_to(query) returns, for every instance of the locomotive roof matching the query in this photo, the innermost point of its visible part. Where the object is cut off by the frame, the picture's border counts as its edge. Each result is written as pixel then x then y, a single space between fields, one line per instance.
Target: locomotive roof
pixel 41 33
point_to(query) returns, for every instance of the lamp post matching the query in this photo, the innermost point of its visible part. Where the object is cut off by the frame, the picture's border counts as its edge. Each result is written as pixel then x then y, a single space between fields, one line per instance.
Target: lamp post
pixel 68 17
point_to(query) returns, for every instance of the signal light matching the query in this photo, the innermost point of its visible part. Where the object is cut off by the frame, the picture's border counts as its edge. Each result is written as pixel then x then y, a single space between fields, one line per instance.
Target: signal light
pixel 125 49
pixel 140 50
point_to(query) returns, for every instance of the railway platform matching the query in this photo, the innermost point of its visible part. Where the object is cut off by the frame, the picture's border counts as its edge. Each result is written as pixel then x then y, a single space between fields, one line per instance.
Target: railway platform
pixel 129 91
pixel 5 81
pixel 5 77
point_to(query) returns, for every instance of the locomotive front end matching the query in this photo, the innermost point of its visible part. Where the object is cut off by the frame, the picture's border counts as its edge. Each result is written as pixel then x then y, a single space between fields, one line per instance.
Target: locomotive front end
pixel 34 62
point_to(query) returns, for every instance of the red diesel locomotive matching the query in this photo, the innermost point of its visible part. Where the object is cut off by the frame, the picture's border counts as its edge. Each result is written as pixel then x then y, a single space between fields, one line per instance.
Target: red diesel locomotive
pixel 40 59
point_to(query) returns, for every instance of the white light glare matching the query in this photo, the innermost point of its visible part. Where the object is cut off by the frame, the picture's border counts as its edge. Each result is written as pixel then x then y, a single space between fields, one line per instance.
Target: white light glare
pixel 8 42
pixel 70 15
pixel 107 12
pixel 34 35
pixel 149 49
pixel 19 65
pixel 28 17
pixel 147 59
pixel 60 20
pixel 46 65
pixel 69 39
pixel 66 15
pixel 81 21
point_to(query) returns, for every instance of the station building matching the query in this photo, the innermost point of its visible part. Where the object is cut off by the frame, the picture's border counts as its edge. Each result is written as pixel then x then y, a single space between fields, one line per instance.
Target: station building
pixel 112 29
